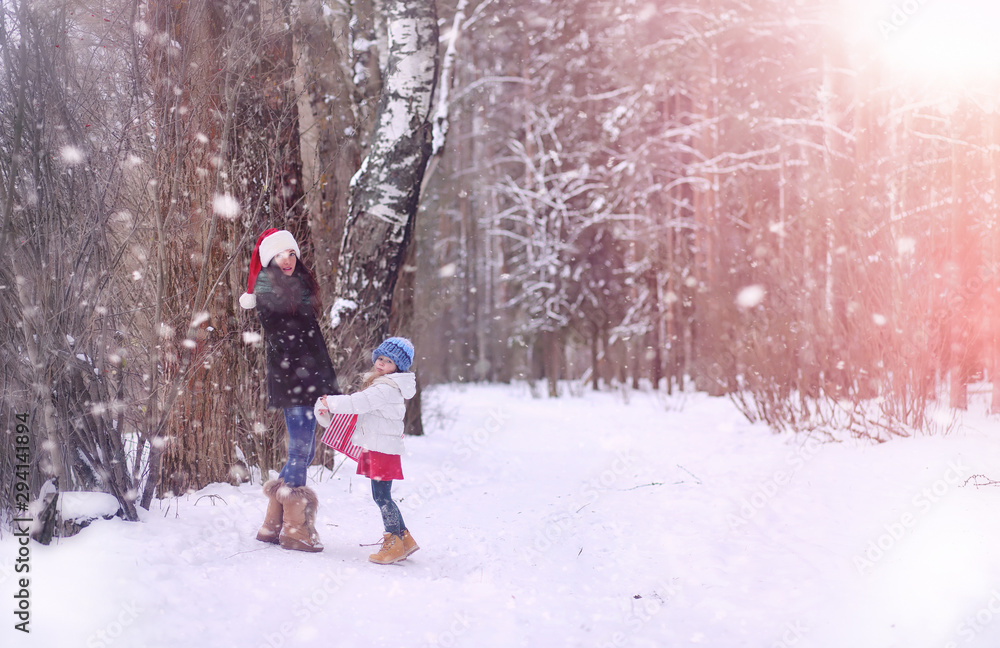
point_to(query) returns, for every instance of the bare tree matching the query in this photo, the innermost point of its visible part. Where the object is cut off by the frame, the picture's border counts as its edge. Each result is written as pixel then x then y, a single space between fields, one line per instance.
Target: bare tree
pixel 68 127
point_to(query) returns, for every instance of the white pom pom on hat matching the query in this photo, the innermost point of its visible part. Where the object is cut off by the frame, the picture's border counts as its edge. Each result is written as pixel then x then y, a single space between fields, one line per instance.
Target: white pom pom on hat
pixel 270 243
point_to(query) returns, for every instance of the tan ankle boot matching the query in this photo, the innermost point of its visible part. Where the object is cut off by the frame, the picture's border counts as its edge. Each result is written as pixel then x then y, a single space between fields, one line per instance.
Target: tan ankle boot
pixel 272 519
pixel 409 544
pixel 298 530
pixel 391 551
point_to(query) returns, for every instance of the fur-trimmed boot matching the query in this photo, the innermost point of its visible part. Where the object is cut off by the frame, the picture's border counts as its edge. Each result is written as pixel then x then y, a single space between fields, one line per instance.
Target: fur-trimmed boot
pixel 298 530
pixel 409 544
pixel 272 519
pixel 392 550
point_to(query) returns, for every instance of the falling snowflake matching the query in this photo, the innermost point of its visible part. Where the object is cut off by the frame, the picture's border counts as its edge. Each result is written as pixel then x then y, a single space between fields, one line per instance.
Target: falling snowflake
pixel 71 155
pixel 750 296
pixel 880 320
pixel 251 337
pixel 226 206
pixel 905 246
pixel 165 331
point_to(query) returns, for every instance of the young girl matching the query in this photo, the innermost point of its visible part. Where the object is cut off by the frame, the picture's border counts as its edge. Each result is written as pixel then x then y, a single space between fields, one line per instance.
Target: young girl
pixel 380 406
pixel 286 296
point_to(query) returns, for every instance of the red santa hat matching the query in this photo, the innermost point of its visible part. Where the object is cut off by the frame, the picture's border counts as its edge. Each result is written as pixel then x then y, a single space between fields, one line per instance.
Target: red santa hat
pixel 271 243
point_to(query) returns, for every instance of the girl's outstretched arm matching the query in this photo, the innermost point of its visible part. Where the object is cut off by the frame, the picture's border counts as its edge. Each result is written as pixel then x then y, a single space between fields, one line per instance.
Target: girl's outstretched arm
pixel 370 399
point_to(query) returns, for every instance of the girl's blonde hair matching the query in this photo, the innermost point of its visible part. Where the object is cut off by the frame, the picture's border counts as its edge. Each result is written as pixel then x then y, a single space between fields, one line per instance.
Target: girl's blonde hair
pixel 369 377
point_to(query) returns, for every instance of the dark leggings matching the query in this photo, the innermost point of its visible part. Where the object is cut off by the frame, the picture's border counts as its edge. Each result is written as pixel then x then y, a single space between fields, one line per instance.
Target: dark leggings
pixel 391 517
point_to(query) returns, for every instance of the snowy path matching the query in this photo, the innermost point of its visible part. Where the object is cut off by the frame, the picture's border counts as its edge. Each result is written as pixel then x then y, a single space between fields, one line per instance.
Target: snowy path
pixel 569 522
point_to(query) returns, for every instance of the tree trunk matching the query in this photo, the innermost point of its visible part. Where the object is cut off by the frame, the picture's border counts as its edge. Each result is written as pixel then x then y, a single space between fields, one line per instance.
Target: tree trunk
pixel 595 368
pixel 332 118
pixel 227 127
pixel 387 187
pixel 959 274
pixel 403 323
pixel 993 303
pixel 656 327
pixel 550 351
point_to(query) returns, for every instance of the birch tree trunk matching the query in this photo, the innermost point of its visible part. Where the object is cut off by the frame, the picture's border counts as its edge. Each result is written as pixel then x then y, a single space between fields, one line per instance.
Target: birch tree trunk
pixel 386 190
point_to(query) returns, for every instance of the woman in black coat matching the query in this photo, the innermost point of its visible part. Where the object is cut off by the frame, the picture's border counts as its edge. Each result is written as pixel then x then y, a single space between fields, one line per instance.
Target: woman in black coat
pixel 299 370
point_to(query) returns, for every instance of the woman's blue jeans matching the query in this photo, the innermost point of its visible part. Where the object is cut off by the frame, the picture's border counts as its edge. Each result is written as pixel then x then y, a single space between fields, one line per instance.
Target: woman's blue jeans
pixel 301 425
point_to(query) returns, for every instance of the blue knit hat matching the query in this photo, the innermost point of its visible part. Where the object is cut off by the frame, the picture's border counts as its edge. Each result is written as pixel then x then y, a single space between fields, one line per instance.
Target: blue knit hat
pixel 397 349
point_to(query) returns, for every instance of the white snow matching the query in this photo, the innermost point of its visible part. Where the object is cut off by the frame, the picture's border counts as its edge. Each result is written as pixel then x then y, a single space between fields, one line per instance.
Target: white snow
pixel 340 306
pixel 86 506
pixel 578 521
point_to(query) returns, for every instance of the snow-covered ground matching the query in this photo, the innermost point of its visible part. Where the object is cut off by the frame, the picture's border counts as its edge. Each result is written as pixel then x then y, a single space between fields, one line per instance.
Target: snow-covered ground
pixel 579 521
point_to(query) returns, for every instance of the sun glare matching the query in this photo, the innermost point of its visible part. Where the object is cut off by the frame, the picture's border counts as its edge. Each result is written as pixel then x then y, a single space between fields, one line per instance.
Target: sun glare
pixel 952 41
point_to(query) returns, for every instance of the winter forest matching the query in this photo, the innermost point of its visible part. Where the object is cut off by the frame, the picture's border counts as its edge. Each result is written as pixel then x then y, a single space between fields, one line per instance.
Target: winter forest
pixel 790 204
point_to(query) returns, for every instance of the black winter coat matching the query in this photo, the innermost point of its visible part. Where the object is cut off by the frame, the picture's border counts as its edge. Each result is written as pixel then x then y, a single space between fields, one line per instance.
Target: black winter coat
pixel 299 369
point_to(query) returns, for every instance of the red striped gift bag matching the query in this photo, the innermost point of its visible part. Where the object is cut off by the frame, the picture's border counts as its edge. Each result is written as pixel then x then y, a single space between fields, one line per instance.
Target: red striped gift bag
pixel 338 435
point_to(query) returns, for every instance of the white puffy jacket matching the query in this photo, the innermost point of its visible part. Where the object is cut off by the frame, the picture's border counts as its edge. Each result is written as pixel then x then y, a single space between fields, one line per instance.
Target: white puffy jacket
pixel 380 409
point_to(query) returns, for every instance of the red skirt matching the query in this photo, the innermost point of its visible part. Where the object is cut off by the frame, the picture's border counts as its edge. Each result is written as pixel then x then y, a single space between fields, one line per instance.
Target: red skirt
pixel 380 466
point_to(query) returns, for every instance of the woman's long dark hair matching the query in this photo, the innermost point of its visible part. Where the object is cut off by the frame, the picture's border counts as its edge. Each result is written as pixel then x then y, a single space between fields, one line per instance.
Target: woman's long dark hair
pixel 301 274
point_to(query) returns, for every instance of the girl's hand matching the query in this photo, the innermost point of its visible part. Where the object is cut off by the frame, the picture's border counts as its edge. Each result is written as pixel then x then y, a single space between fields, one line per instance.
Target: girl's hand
pixel 321 407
